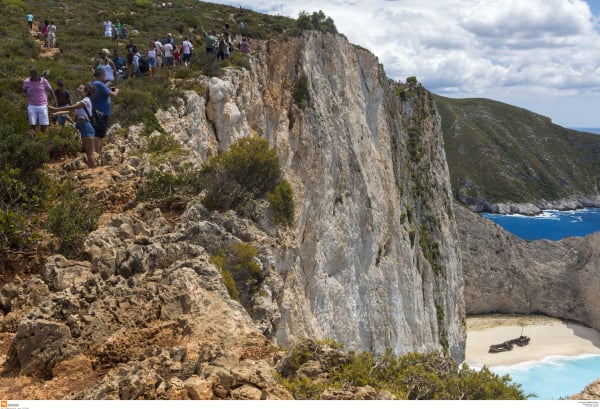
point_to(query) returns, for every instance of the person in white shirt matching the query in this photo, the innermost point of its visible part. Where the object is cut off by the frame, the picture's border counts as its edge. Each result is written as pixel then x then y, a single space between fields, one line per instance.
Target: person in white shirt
pixel 187 51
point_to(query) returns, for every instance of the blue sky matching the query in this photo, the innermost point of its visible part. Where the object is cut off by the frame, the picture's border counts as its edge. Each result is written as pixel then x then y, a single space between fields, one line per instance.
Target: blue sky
pixel 542 55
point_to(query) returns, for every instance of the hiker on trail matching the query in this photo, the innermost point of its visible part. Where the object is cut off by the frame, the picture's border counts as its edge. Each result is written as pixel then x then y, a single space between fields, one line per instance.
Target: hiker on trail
pixel 124 33
pixel 117 31
pixel 187 51
pixel 51 41
pixel 151 53
pixel 44 29
pixel 120 65
pixel 102 102
pixel 131 51
pixel 36 89
pixel 168 52
pixel 177 54
pixel 223 48
pixel 83 110
pixel 211 42
pixel 244 45
pixel 169 40
pixel 63 99
pixel 107 29
pixel 106 64
pixel 30 21
pixel 159 52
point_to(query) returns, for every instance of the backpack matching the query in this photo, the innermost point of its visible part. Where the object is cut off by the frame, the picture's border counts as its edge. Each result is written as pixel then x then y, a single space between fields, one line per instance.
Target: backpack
pixel 96 118
pixel 143 64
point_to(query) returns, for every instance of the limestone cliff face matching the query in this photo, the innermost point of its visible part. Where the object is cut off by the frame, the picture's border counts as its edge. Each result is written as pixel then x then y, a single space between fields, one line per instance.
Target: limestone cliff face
pixel 372 259
pixel 506 274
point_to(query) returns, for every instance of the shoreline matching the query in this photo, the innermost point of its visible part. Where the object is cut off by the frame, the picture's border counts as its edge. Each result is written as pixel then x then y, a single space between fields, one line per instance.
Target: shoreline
pixel 550 337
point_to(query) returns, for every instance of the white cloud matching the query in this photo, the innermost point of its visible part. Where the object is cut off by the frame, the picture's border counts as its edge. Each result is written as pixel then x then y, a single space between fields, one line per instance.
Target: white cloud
pixel 524 52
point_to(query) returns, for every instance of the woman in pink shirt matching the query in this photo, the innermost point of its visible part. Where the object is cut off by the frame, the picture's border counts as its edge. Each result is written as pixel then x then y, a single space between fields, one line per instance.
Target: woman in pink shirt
pixel 36 89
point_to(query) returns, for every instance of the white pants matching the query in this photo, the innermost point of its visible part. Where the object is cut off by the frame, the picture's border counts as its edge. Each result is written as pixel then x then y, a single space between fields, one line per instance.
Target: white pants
pixel 38 115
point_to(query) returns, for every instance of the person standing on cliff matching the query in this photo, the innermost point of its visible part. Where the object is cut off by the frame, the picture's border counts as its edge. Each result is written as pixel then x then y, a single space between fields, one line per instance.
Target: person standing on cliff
pixel 37 89
pixel 30 21
pixel 102 102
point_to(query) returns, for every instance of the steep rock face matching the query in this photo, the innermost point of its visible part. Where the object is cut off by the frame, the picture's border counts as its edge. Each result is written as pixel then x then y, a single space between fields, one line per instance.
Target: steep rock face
pixel 506 274
pixel 372 260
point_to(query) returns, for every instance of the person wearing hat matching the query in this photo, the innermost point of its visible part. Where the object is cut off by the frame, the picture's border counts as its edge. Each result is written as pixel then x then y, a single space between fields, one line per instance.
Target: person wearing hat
pixel 108 66
pixel 169 40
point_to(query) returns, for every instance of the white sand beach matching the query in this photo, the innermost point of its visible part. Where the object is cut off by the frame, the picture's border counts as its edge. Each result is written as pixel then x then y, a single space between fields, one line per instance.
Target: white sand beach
pixel 549 337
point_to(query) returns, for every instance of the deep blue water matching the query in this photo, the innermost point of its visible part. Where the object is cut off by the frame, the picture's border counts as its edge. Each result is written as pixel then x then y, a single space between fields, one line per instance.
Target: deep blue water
pixel 551 224
pixel 554 377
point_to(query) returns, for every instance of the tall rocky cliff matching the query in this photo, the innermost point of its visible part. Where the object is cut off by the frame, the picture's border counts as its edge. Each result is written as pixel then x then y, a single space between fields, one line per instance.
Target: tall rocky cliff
pixel 371 260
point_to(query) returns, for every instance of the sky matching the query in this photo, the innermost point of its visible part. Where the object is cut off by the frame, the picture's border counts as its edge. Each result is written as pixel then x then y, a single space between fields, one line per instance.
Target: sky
pixel 541 55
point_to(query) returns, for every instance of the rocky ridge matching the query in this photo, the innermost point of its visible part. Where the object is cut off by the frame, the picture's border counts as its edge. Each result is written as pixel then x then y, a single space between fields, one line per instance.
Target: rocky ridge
pixel 371 261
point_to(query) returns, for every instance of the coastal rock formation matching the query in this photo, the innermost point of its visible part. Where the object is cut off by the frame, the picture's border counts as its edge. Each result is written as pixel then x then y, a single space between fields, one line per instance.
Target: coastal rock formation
pixel 371 260
pixel 505 274
pixel 374 211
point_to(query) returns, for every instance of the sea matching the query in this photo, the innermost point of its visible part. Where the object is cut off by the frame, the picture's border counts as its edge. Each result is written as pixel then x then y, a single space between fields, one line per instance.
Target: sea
pixel 553 377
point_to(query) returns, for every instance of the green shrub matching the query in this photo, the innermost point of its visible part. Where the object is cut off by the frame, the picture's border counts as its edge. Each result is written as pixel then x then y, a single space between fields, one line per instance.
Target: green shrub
pixel 414 376
pixel 163 143
pixel 300 93
pixel 238 267
pixel 15 232
pixel 281 199
pixel 159 185
pixel 316 21
pixel 71 220
pixel 61 141
pixel 27 153
pixel 248 170
pixel 238 59
pixel 412 80
pixel 16 225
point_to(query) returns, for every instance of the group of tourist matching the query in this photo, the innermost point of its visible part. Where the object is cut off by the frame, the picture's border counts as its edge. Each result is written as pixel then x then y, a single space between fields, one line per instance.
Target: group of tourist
pixel 108 71
pixel 94 96
pixel 48 30
pixel 116 31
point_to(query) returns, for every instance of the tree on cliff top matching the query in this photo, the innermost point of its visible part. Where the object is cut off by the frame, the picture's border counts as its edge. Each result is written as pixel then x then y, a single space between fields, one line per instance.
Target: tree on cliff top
pixel 317 21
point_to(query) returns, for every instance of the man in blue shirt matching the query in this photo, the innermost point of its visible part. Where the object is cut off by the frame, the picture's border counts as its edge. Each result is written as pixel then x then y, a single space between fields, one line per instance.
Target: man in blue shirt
pixel 101 101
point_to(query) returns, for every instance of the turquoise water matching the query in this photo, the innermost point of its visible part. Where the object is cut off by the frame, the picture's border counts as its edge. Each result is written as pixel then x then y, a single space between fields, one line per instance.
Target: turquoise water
pixel 551 224
pixel 554 377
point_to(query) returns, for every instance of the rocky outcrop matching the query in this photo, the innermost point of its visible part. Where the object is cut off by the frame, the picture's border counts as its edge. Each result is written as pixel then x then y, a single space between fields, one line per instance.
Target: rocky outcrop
pixel 505 274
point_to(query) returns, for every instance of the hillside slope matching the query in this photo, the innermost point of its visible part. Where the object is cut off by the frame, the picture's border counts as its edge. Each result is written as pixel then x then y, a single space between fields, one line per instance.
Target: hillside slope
pixel 499 153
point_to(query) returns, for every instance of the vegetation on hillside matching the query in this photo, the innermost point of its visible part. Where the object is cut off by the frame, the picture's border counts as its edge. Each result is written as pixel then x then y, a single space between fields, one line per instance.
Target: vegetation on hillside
pixel 311 368
pixel 502 153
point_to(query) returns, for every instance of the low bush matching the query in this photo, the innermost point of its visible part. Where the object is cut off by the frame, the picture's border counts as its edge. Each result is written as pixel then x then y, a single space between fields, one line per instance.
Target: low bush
pixel 239 269
pixel 300 93
pixel 248 170
pixel 61 141
pixel 71 220
pixel 26 152
pixel 281 200
pixel 414 376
